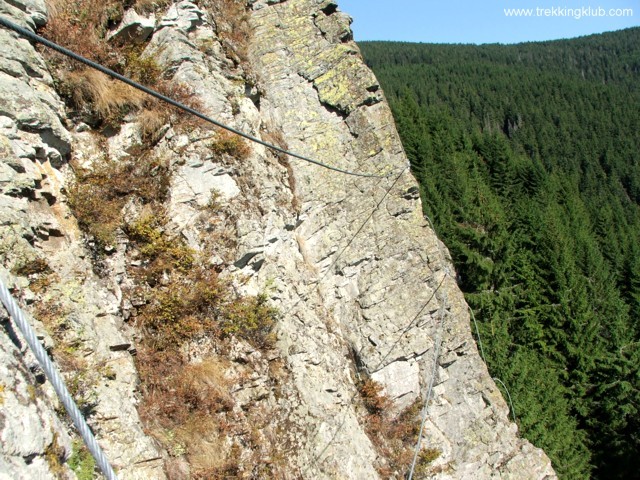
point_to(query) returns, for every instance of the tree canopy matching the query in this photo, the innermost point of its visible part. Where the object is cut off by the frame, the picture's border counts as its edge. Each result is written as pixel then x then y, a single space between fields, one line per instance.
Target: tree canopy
pixel 528 158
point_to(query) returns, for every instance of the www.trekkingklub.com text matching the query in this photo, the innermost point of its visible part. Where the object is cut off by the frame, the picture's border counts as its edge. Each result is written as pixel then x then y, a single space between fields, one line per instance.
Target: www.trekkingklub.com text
pixel 573 12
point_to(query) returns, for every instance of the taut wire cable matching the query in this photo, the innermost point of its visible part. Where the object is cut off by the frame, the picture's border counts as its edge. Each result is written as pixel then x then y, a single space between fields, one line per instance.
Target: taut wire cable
pixel 56 381
pixel 54 46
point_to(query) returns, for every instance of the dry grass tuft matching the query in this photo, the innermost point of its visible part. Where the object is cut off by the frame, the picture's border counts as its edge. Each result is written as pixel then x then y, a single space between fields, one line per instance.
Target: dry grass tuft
pixel 209 453
pixel 178 394
pixel 186 407
pixel 393 434
pixel 98 99
pixel 150 123
pixel 234 30
pixel 156 114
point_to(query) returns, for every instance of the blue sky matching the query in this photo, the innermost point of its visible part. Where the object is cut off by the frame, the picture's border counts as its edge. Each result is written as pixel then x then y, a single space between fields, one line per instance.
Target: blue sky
pixel 486 21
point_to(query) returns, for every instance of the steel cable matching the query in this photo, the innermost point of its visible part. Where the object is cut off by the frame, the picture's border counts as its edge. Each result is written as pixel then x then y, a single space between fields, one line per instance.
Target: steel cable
pixel 56 381
pixel 54 46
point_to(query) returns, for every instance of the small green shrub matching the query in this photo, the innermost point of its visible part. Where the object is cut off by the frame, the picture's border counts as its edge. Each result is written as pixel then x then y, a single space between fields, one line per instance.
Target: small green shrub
pixel 429 455
pixel 251 318
pixel 96 204
pixel 54 456
pixel 226 143
pixel 426 457
pixel 161 253
pixel 97 196
pixel 81 462
pixel 213 204
pixel 186 308
pixel 142 69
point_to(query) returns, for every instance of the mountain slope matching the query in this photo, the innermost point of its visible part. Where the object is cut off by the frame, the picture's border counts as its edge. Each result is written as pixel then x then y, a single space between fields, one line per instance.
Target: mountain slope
pixel 527 157
pixel 218 309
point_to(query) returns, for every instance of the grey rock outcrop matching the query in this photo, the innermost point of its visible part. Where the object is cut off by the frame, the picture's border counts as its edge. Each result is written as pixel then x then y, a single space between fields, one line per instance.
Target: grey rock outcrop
pixel 133 28
pixel 29 427
pixel 363 286
pixel 37 229
pixel 183 15
pixel 34 12
pixel 380 274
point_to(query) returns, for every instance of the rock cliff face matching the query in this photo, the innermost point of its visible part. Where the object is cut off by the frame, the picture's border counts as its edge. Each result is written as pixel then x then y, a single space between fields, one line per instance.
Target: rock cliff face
pixel 363 287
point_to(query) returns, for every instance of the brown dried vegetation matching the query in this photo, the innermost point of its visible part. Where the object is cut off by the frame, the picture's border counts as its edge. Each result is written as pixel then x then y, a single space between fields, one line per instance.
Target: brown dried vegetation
pixel 180 300
pixel 183 301
pixel 81 26
pixel 393 434
pixel 176 391
pixel 148 6
pixel 98 195
pixel 234 31
pixel 186 302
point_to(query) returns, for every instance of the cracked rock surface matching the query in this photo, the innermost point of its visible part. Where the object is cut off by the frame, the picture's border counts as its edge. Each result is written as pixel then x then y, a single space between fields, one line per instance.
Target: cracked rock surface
pixel 36 225
pixel 380 277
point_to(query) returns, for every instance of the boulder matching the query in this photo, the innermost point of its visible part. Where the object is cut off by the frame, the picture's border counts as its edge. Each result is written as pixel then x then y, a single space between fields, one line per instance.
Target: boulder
pixel 183 15
pixel 134 28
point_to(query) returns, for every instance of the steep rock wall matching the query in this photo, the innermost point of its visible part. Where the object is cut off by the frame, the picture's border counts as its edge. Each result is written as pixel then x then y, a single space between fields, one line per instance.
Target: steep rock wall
pixel 383 277
pixel 37 230
pixel 363 286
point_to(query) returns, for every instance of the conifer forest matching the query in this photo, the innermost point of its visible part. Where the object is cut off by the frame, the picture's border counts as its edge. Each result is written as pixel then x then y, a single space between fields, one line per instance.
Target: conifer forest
pixel 528 157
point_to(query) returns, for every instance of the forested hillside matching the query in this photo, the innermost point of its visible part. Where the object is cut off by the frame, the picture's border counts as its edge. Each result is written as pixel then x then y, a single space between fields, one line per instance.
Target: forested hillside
pixel 529 161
